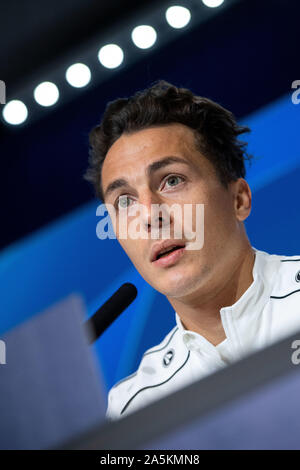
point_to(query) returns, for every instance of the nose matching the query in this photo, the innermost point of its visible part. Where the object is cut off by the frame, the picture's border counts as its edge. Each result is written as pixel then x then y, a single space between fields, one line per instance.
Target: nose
pixel 155 214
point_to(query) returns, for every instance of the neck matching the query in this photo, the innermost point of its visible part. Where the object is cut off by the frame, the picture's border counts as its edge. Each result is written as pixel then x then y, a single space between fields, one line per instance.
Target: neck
pixel 202 312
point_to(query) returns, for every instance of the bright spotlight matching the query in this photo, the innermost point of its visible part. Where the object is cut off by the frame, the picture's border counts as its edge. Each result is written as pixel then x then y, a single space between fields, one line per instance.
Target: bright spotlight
pixel 78 75
pixel 46 94
pixel 111 56
pixel 178 17
pixel 15 112
pixel 212 3
pixel 144 36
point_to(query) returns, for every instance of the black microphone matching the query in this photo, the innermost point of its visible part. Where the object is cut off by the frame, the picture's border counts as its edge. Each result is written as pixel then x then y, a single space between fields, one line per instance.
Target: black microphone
pixel 109 311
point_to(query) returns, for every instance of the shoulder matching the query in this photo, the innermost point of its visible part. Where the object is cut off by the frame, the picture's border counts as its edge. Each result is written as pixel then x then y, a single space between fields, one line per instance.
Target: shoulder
pixel 281 271
pixel 157 367
pixel 282 313
pixel 287 276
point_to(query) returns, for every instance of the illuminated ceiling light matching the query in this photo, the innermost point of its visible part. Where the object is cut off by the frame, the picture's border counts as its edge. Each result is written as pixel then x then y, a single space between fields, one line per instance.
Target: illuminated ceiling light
pixel 15 112
pixel 212 3
pixel 111 56
pixel 78 75
pixel 144 36
pixel 46 94
pixel 178 17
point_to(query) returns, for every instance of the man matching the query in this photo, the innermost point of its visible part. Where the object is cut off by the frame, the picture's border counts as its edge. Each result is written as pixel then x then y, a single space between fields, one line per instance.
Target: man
pixel 166 146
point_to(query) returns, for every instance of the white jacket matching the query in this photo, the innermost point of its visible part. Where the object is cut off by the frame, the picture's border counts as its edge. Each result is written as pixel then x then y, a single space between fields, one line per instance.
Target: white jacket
pixel 267 311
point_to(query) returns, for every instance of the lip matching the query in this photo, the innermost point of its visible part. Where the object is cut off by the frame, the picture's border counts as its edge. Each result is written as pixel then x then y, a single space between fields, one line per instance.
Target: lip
pixel 164 245
pixel 170 259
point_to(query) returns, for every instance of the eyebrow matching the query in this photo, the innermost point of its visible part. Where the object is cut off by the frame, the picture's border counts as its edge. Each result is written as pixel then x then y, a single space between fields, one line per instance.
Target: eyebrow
pixel 152 168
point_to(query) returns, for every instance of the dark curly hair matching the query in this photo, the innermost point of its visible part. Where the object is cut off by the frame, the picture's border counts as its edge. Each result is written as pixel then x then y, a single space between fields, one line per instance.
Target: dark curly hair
pixel 215 128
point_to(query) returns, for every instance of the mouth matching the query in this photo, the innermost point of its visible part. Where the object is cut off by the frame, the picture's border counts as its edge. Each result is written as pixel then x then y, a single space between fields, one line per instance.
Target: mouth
pixel 169 256
pixel 167 251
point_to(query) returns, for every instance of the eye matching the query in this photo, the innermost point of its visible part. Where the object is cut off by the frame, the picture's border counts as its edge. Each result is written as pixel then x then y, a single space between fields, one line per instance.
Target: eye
pixel 174 180
pixel 122 201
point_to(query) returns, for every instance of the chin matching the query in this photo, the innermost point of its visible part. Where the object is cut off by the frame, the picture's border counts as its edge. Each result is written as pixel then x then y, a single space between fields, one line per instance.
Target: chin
pixel 176 284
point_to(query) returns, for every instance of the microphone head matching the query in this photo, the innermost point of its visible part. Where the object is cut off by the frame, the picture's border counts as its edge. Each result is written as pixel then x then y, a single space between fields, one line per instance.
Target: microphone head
pixel 128 290
pixel 110 310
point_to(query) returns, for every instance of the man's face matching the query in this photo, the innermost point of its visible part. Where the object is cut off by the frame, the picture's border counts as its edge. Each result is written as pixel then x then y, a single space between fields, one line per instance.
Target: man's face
pixel 190 181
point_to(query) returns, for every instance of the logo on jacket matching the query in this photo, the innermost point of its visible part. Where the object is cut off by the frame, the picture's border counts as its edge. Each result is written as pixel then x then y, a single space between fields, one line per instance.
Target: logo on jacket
pixel 297 277
pixel 168 357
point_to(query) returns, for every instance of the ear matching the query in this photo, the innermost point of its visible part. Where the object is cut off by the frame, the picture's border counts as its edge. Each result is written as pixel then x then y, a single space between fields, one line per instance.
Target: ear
pixel 242 199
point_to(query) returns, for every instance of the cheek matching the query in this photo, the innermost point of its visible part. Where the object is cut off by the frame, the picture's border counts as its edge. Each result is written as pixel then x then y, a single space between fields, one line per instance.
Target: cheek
pixel 219 221
pixel 133 250
pixel 120 225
